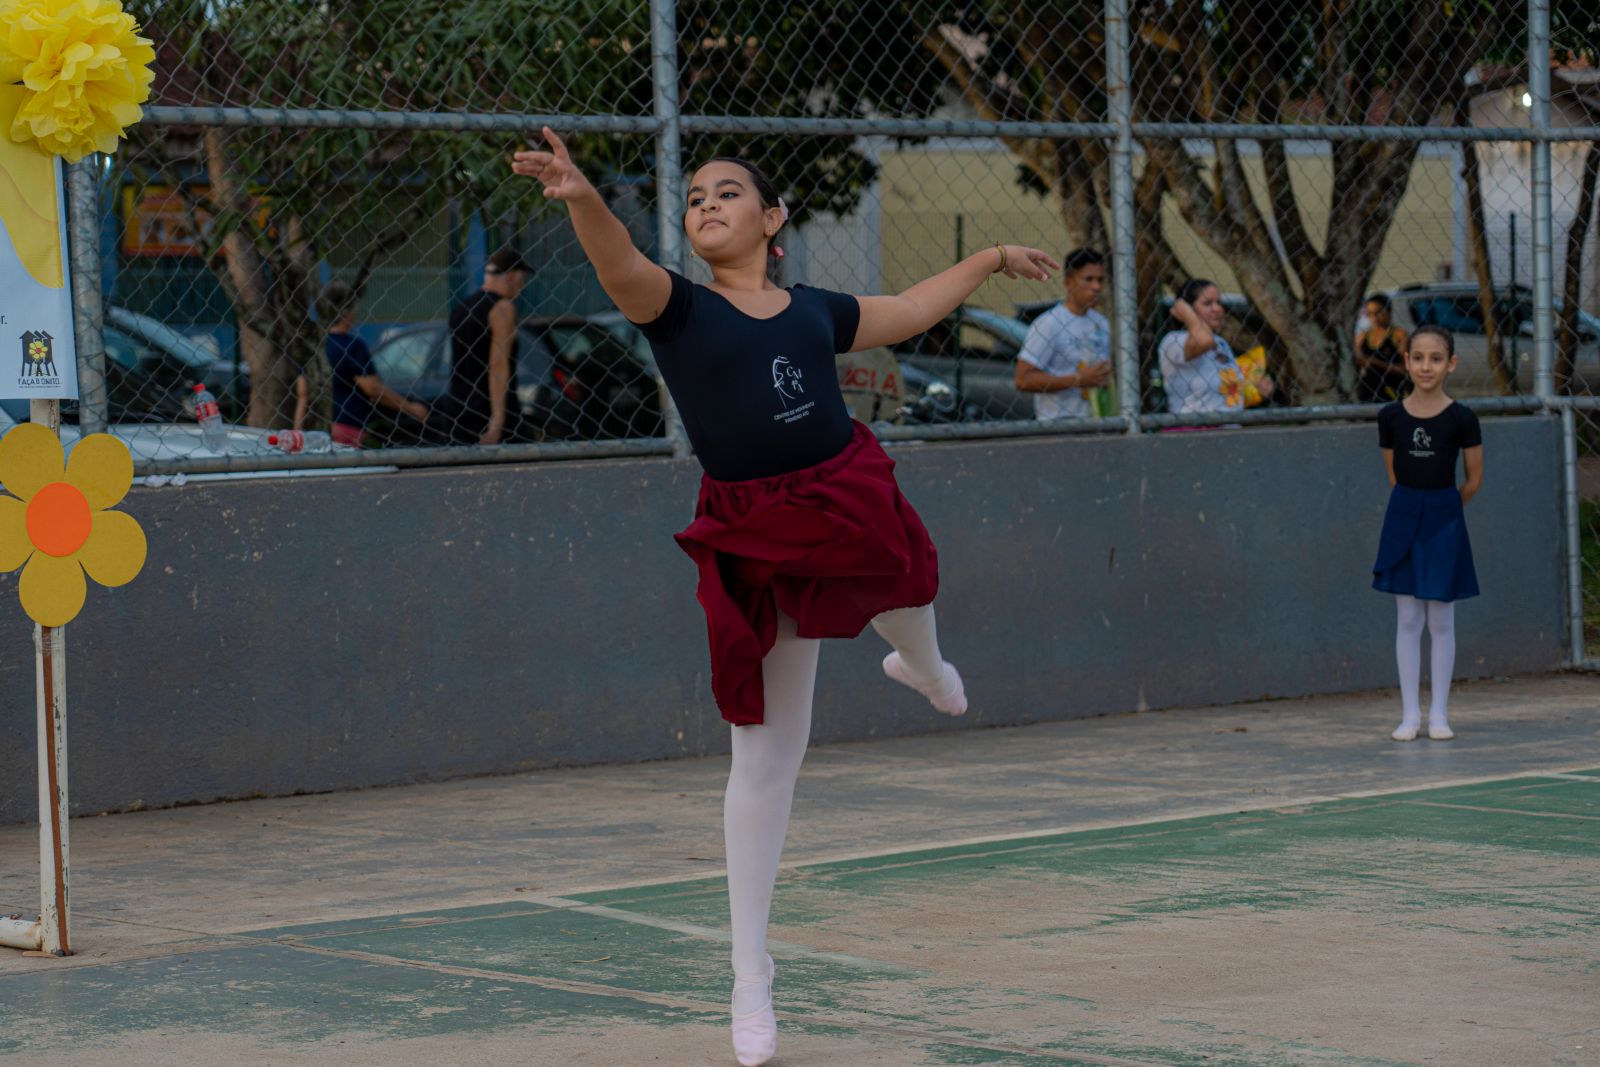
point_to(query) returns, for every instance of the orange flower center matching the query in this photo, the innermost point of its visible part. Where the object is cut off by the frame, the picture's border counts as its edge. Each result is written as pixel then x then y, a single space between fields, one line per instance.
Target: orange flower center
pixel 58 519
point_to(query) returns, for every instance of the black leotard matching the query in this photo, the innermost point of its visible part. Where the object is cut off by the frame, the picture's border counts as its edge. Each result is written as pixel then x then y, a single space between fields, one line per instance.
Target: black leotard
pixel 758 397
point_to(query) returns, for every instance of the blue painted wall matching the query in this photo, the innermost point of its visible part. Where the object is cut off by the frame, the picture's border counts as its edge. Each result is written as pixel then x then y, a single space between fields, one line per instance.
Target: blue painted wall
pixel 326 633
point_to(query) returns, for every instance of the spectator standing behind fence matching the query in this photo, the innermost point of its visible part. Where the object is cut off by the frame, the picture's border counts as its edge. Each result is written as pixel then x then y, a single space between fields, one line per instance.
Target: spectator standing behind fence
pixel 1198 367
pixel 483 340
pixel 1424 556
pixel 356 385
pixel 1380 354
pixel 1067 351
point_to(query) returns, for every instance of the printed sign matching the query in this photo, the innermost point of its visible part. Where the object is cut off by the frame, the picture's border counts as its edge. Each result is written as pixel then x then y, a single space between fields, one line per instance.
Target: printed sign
pixel 38 360
pixel 159 221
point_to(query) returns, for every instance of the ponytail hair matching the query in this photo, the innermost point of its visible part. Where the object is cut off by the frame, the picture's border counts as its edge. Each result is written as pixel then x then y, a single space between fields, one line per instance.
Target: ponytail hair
pixel 1434 330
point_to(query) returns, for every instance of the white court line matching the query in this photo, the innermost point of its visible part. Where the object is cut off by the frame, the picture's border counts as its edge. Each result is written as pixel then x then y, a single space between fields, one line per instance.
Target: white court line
pixel 1565 773
pixel 713 933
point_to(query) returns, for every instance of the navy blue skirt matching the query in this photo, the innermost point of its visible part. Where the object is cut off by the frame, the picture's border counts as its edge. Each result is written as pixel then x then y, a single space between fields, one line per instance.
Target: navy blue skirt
pixel 1424 551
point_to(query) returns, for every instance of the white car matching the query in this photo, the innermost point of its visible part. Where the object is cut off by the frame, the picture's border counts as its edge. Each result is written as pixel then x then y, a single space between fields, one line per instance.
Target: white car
pixel 1455 306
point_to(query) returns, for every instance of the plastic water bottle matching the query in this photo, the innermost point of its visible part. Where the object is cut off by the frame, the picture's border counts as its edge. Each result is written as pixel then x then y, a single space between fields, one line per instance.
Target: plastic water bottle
pixel 301 441
pixel 1156 397
pixel 212 429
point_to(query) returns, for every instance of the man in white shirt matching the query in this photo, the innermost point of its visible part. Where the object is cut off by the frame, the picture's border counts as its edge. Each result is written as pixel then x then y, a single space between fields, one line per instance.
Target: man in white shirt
pixel 1067 352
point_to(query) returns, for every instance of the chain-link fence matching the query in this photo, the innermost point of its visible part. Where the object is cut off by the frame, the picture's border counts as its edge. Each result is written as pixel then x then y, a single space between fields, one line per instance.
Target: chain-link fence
pixel 309 218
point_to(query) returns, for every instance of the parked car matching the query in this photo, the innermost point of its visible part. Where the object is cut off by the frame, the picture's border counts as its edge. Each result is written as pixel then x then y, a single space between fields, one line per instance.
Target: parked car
pixel 578 378
pixel 975 351
pixel 1456 306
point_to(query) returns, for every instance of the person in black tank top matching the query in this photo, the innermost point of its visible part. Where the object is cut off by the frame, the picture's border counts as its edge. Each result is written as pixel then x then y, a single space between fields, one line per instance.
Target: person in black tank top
pixel 482 406
pixel 801 532
pixel 1380 354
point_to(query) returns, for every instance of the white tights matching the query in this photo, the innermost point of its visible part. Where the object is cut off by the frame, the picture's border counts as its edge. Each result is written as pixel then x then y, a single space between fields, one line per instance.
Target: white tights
pixel 766 762
pixel 1440 619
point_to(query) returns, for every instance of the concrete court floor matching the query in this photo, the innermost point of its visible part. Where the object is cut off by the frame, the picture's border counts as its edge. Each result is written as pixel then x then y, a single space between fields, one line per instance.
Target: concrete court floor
pixel 1260 884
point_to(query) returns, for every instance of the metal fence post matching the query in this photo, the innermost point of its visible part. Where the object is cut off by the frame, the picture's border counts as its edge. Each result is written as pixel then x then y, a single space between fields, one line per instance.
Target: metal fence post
pixel 50 678
pixel 1577 650
pixel 1544 333
pixel 88 316
pixel 669 172
pixel 1124 274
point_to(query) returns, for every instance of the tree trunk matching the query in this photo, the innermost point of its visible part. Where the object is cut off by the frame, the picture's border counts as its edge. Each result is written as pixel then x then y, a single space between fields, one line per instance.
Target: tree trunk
pixel 1478 246
pixel 302 338
pixel 1572 283
pixel 1263 280
pixel 245 276
pixel 270 278
pixel 1080 199
pixel 1369 181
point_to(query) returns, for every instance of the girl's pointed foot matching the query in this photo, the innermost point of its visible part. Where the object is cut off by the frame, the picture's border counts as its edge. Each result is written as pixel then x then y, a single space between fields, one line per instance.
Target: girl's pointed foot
pixel 755 1030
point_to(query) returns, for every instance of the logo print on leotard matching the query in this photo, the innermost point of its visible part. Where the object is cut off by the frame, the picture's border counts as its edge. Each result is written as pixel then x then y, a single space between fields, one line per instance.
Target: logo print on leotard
pixel 786 376
pixel 1420 439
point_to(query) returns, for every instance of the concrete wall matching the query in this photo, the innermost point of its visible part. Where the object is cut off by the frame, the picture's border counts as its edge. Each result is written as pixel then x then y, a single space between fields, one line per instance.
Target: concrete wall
pixel 327 633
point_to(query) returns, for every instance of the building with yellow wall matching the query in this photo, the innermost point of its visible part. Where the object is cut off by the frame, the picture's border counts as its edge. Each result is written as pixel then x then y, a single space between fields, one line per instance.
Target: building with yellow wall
pixel 931 198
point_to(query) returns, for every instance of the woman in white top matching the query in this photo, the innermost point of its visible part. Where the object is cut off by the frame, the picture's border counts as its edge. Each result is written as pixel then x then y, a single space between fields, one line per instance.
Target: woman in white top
pixel 1198 368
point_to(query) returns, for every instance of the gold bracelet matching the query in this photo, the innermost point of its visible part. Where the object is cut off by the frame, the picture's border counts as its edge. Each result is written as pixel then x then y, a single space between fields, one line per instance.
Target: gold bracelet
pixel 1002 250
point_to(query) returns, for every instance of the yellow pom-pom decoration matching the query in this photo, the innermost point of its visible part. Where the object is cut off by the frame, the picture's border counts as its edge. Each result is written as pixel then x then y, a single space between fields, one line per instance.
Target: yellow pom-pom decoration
pixel 85 69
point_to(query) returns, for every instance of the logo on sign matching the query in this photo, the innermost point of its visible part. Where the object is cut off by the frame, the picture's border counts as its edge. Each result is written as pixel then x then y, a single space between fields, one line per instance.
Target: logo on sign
pixel 38 359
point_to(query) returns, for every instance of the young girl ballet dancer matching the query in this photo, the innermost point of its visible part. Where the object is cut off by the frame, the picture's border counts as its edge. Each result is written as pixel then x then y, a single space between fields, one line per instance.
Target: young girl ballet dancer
pixel 1424 557
pixel 800 532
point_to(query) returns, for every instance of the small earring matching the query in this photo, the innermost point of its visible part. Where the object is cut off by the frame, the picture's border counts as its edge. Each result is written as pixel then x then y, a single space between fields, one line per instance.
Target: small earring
pixel 693 254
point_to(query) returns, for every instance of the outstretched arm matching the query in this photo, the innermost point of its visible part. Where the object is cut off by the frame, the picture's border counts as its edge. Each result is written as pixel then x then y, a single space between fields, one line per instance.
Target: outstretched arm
pixel 638 287
pixel 887 320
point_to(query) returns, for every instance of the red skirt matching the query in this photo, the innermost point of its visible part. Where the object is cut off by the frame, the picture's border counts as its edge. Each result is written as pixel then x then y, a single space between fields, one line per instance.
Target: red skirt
pixel 830 546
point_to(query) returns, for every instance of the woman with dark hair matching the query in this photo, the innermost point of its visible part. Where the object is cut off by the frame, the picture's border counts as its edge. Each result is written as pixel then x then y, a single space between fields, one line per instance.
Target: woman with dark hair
pixel 1380 354
pixel 801 532
pixel 1198 366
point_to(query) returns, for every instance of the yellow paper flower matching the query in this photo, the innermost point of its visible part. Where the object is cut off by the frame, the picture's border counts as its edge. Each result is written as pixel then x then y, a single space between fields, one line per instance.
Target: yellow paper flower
pixel 56 522
pixel 86 70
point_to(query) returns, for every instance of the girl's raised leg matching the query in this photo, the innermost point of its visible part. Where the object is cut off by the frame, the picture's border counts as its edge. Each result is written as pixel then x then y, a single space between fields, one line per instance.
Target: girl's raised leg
pixel 916 661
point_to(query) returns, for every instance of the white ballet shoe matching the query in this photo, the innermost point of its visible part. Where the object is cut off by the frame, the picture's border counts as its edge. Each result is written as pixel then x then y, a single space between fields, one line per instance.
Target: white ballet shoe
pixel 1439 731
pixel 755 1033
pixel 949 697
pixel 1406 731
